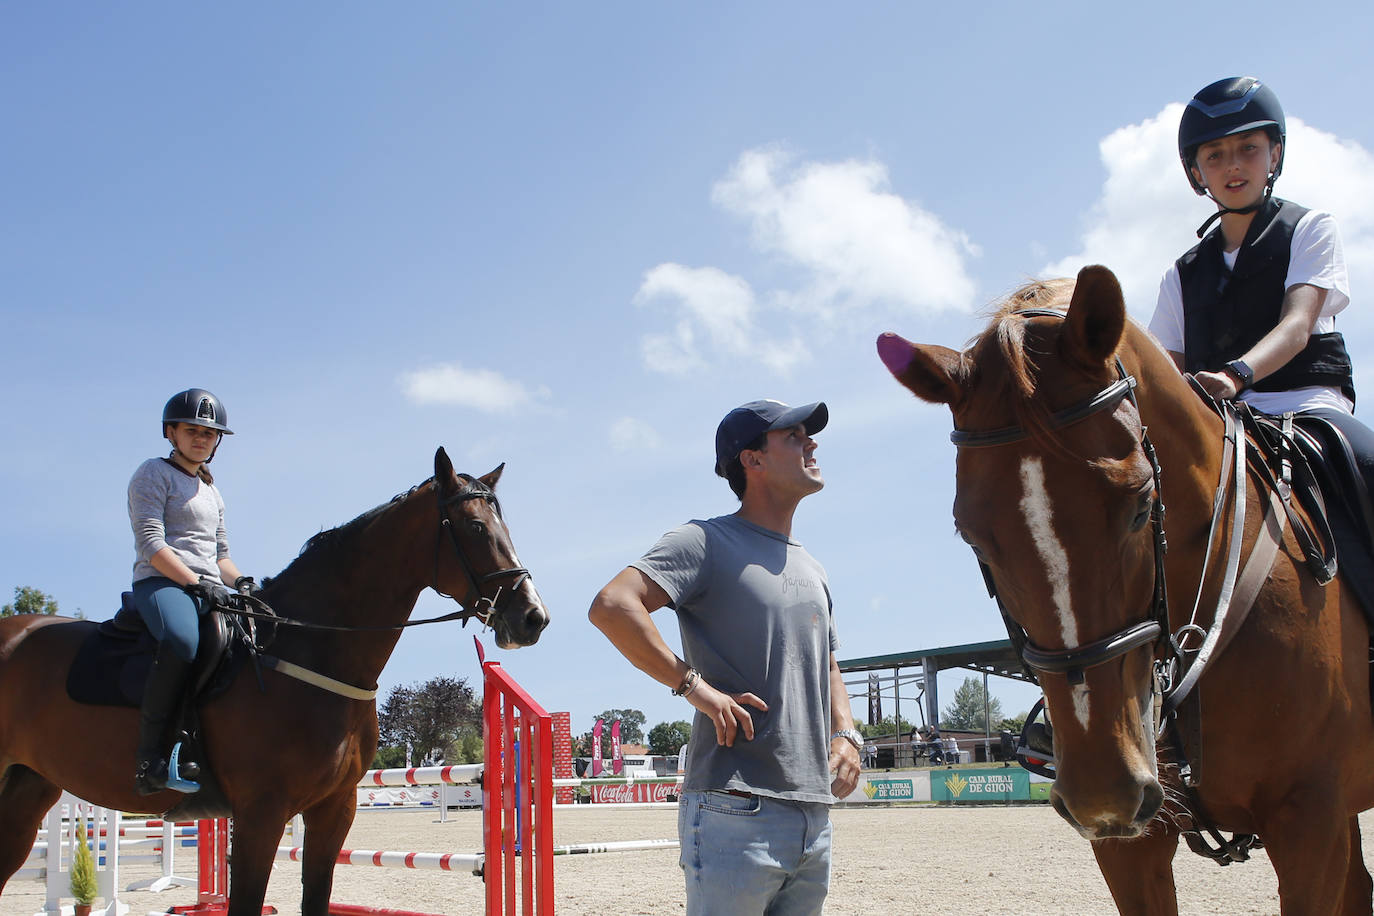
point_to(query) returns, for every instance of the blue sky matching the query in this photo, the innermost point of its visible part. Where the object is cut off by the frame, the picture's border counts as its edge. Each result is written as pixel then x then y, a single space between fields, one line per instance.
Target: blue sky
pixel 570 238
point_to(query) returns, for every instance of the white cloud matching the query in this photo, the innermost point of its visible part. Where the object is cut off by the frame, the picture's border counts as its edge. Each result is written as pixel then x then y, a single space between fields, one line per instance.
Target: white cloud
pixel 716 319
pixel 853 245
pixel 1147 214
pixel 860 243
pixel 479 389
pixel 631 435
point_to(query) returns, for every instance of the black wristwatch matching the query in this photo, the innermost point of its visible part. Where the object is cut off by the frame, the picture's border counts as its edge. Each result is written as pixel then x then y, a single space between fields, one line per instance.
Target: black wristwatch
pixel 1242 371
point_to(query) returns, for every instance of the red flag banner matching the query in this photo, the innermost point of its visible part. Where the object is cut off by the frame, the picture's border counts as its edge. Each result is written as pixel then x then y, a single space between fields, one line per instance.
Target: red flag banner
pixel 596 749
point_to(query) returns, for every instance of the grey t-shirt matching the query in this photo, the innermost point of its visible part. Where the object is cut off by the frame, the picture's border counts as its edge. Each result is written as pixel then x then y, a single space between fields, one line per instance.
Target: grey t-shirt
pixel 171 508
pixel 754 611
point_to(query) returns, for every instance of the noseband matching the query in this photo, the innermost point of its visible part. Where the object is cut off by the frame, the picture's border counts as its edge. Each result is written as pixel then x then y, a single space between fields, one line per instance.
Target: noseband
pixel 1073 662
pixel 482 607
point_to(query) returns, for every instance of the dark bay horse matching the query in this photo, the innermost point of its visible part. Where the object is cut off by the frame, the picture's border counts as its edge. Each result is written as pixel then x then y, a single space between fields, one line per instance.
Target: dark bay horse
pixel 294 747
pixel 1057 493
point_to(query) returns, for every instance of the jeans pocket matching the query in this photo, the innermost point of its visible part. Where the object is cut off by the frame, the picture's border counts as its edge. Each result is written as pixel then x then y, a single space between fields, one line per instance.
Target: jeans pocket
pixel 729 803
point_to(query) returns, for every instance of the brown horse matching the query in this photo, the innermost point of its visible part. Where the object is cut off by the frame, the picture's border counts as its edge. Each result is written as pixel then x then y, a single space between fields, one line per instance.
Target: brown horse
pixel 290 747
pixel 1058 494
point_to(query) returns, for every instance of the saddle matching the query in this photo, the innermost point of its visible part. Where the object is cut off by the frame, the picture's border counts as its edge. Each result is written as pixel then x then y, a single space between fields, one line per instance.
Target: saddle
pixel 1345 507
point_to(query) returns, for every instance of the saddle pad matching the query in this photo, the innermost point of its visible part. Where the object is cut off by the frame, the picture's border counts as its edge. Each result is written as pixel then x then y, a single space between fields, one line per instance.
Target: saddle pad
pixel 111 668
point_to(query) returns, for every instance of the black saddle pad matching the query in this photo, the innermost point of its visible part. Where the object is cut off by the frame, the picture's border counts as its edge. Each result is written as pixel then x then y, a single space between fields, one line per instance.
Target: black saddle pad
pixel 112 665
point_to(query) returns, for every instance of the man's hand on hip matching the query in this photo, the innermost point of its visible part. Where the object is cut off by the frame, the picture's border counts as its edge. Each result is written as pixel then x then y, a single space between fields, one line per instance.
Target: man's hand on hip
pixel 726 711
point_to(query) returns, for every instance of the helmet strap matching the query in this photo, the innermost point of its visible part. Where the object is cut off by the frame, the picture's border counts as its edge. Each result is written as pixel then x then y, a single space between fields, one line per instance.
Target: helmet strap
pixel 1222 211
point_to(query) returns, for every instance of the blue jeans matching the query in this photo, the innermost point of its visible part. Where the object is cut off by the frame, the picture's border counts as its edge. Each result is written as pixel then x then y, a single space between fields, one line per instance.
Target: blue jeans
pixel 753 856
pixel 172 616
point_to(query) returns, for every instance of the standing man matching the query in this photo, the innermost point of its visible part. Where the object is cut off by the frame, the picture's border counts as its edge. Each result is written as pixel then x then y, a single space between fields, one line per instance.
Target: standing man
pixel 755 615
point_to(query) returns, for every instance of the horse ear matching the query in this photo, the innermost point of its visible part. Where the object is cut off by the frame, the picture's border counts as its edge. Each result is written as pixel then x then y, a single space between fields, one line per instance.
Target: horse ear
pixel 443 468
pixel 490 479
pixel 932 373
pixel 1096 318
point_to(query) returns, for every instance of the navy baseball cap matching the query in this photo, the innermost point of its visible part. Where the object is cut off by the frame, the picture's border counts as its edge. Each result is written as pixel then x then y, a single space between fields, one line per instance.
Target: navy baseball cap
pixel 747 422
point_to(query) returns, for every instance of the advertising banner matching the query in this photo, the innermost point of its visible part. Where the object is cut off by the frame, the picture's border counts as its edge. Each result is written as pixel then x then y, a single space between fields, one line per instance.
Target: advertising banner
pixel 888 788
pixel 993 785
pixel 617 761
pixel 596 749
pixel 638 792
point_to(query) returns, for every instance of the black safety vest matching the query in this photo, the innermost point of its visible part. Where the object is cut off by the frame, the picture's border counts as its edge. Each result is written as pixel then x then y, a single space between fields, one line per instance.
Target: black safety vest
pixel 1226 312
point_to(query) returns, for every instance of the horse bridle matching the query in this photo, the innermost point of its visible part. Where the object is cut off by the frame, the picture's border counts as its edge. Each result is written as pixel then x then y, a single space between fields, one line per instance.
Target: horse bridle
pixel 1073 662
pixel 483 607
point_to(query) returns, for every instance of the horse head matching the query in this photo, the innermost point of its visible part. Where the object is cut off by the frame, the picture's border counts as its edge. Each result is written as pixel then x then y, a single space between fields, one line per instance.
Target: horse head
pixel 1056 493
pixel 475 561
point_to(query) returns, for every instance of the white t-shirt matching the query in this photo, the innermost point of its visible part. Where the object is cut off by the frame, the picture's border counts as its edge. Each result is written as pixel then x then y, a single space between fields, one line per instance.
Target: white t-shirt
pixel 1316 257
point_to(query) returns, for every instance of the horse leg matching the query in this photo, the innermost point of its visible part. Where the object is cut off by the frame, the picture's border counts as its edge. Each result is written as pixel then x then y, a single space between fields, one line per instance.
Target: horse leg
pixel 255 848
pixel 1357 898
pixel 326 827
pixel 25 798
pixel 1309 842
pixel 1140 871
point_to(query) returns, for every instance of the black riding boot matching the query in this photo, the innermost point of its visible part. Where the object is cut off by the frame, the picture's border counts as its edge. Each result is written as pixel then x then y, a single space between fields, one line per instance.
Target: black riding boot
pixel 162 694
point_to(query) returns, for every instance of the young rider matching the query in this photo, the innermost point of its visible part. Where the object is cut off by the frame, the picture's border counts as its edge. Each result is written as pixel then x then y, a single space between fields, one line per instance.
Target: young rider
pixel 181 567
pixel 1250 310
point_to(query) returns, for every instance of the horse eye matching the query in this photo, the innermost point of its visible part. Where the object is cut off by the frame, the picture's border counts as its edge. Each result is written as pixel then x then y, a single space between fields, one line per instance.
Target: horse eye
pixel 1145 502
pixel 477 526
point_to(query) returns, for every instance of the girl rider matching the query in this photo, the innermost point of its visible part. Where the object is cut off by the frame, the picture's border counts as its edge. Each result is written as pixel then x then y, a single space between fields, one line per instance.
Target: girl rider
pixel 181 567
pixel 1250 310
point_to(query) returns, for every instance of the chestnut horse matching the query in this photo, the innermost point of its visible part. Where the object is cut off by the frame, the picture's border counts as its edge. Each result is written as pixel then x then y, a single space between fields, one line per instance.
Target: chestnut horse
pixel 288 746
pixel 1058 493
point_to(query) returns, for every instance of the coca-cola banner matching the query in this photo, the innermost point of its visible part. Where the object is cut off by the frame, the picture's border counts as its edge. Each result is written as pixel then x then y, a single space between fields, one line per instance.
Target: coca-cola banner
pixel 638 792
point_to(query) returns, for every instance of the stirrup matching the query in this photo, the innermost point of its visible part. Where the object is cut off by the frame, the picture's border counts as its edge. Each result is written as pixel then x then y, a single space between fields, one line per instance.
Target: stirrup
pixel 174 780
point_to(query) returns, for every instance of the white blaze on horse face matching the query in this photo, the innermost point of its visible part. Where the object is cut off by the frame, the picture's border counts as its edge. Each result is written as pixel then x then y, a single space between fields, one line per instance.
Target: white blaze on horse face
pixel 1035 506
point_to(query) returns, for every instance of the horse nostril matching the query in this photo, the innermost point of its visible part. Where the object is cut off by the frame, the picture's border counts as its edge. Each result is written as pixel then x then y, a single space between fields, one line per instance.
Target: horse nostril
pixel 1152 798
pixel 536 620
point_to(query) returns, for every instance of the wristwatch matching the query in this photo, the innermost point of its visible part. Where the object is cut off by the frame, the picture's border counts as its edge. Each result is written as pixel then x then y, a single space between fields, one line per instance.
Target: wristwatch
pixel 851 735
pixel 1242 371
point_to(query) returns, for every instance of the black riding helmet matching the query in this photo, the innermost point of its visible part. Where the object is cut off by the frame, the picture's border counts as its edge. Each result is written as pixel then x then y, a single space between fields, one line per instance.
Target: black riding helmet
pixel 1230 106
pixel 197 407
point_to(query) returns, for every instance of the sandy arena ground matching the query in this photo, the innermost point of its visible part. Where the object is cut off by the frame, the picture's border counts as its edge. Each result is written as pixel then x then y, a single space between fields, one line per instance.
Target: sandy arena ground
pixel 918 859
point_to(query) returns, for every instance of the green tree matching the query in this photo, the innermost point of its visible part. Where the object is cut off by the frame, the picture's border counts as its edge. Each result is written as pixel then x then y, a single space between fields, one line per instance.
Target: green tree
pixel 631 728
pixel 1013 724
pixel 29 601
pixel 885 727
pixel 968 711
pixel 431 718
pixel 666 737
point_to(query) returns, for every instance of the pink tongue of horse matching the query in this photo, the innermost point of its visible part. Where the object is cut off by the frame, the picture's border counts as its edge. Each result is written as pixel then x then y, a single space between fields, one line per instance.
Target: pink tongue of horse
pixel 894 352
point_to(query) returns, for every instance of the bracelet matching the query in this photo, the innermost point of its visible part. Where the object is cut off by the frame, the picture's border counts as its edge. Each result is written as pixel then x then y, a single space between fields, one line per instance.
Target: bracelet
pixel 689 683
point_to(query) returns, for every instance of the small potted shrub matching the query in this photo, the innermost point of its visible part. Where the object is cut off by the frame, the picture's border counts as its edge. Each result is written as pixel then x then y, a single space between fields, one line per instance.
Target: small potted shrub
pixel 83 876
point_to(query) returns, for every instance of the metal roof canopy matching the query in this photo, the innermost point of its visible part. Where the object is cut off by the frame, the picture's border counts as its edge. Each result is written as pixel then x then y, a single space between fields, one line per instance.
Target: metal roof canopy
pixel 996 657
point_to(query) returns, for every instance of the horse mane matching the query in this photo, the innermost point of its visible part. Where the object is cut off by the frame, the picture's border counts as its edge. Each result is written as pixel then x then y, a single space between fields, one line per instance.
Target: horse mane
pixel 332 540
pixel 1005 337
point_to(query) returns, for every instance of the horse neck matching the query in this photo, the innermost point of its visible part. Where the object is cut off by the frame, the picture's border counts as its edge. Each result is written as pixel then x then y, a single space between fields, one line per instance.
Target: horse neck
pixel 372 580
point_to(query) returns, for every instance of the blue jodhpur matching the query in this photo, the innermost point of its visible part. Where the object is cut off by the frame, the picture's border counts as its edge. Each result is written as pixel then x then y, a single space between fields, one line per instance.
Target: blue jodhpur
pixel 172 616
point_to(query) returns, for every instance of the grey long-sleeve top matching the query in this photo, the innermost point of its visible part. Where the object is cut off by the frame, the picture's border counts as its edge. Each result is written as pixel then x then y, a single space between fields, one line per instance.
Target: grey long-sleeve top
pixel 171 508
